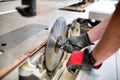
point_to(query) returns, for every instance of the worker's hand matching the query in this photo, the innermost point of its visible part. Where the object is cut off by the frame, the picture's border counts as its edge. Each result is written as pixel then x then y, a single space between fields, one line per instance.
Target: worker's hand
pixel 81 60
pixel 76 43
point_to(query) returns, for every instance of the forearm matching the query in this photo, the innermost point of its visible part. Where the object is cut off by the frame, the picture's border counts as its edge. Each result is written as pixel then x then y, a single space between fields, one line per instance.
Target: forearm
pixel 110 41
pixel 97 32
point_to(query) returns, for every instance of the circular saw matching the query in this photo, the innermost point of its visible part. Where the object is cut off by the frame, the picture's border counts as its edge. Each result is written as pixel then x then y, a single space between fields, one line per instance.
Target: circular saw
pixel 53 53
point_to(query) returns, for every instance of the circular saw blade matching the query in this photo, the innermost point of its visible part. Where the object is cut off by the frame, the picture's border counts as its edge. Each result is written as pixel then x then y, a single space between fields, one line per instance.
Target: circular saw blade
pixel 57 35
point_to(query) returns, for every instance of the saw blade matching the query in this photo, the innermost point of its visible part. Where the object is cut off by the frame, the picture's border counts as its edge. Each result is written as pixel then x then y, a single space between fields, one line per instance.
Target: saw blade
pixel 53 52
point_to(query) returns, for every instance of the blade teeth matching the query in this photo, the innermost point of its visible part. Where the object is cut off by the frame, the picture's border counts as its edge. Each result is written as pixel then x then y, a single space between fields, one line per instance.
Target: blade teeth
pixel 59 21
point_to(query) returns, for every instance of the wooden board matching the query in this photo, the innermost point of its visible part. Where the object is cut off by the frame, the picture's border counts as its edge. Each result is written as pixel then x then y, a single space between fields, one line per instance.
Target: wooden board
pixel 19 60
pixel 21 44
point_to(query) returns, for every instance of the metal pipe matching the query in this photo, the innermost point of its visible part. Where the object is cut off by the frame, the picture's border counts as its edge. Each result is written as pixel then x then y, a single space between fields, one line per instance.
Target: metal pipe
pixel 28 8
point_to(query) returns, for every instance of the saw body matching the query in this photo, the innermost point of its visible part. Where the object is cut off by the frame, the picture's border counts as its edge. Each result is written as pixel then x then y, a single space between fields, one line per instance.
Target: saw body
pixel 53 52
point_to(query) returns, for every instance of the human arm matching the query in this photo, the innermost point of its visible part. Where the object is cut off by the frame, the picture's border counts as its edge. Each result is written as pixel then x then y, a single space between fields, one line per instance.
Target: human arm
pixel 77 59
pixel 97 32
pixel 79 42
pixel 110 42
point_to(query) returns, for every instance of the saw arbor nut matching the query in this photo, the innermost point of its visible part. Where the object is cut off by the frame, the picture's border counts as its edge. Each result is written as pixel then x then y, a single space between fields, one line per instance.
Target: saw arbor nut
pixel 58 44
